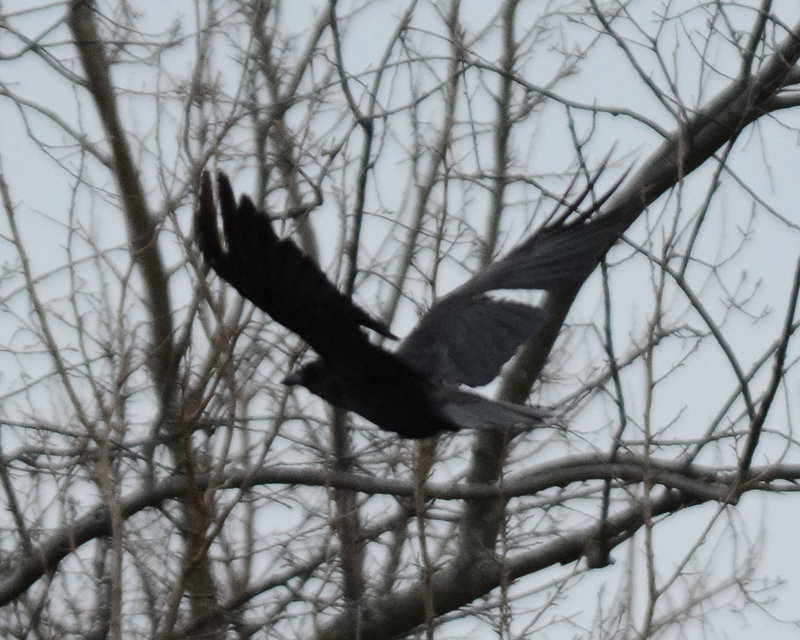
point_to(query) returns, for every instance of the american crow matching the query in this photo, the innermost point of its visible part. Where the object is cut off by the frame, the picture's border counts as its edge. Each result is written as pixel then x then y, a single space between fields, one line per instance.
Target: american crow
pixel 465 338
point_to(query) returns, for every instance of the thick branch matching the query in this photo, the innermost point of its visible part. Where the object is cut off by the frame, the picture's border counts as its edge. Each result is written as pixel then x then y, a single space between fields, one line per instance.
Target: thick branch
pixel 719 123
pixel 695 484
pixel 142 229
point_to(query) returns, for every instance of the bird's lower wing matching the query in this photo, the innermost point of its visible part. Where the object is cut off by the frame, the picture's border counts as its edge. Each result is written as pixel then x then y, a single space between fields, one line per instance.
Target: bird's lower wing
pixel 468 340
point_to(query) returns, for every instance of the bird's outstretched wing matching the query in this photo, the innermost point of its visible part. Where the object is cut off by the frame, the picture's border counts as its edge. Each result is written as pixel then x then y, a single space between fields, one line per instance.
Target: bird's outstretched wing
pixel 467 336
pixel 276 276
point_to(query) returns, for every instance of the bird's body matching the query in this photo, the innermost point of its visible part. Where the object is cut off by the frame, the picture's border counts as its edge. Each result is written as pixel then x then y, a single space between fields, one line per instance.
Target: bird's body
pixel 465 338
pixel 397 399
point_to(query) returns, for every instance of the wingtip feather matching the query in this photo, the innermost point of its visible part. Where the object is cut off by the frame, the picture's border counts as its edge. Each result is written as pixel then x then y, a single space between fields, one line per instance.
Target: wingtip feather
pixel 205 222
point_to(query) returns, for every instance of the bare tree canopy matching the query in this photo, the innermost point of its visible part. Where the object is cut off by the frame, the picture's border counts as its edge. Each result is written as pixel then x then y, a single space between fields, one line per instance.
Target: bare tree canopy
pixel 158 480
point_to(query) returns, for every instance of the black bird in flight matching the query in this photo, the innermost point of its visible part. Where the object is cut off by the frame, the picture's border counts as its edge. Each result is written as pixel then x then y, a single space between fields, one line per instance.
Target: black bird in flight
pixel 465 338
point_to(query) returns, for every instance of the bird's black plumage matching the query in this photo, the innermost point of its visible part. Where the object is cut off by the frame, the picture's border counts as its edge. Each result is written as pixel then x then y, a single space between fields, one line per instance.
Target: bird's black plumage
pixel 465 338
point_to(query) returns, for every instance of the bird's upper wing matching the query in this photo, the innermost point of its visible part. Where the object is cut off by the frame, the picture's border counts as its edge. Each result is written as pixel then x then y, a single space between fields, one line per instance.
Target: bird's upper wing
pixel 555 257
pixel 467 336
pixel 276 276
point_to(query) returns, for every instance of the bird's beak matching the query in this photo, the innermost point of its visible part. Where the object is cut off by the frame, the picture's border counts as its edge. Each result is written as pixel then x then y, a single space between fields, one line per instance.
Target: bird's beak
pixel 292 379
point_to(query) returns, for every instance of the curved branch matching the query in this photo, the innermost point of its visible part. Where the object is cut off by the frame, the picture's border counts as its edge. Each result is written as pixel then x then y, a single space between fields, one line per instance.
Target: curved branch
pixel 457 586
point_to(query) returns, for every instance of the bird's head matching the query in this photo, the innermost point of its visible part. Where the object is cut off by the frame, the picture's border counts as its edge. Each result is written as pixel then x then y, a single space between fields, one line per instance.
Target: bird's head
pixel 315 377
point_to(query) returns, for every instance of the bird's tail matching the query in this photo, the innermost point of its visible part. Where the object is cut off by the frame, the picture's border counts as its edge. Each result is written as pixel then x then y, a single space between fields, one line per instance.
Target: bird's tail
pixel 471 411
